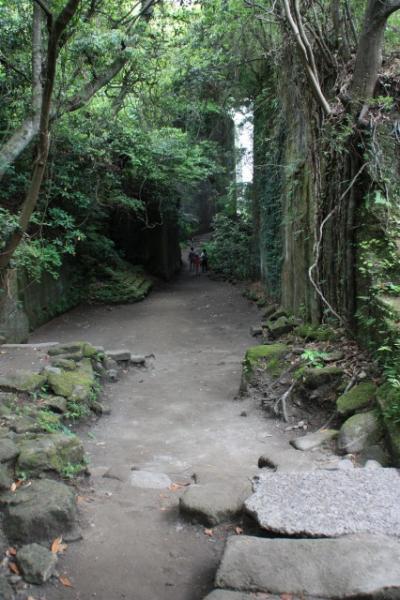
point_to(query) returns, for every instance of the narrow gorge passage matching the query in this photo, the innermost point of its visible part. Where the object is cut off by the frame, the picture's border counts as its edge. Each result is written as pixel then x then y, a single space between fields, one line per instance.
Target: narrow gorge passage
pixel 178 417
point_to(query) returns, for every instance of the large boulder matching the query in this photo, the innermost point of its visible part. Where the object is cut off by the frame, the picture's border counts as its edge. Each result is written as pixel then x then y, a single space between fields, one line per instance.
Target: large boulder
pixel 313 440
pixel 36 563
pixel 38 512
pixel 22 381
pixel 281 326
pixel 215 502
pixel 359 432
pixel 313 378
pixel 359 397
pixel 327 502
pixel 50 452
pixel 360 566
pixel 75 385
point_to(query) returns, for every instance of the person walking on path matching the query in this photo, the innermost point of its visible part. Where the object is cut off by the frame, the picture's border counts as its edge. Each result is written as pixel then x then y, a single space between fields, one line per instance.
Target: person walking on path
pixel 197 263
pixel 204 261
pixel 192 255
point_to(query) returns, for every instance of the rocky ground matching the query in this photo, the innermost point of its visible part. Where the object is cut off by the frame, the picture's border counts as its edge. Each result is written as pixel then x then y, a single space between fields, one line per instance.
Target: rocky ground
pixel 262 454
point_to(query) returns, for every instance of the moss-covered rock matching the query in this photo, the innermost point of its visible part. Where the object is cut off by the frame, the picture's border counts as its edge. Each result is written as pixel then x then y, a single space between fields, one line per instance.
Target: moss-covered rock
pixel 63 363
pixel 313 378
pixel 75 385
pixel 22 381
pixel 281 326
pixel 50 452
pixel 360 431
pixel 388 398
pixel 317 333
pixel 360 396
pixel 267 357
pixel 70 348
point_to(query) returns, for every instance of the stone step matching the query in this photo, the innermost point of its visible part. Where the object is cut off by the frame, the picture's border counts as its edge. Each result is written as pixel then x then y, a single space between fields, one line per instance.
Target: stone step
pixel 328 503
pixel 355 566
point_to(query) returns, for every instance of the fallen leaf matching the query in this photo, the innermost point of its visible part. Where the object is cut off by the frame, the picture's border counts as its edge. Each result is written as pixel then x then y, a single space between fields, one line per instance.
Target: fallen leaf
pixel 80 499
pixel 174 487
pixel 286 596
pixel 209 532
pixel 238 530
pixel 11 551
pixel 16 484
pixel 65 581
pixel 13 567
pixel 57 546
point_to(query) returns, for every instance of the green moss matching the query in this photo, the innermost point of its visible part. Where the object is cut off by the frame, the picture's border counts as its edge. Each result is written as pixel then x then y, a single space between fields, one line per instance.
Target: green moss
pixel 49 452
pixel 118 286
pixel 388 398
pixel 360 396
pixel 270 356
pixel 313 378
pixel 48 421
pixel 320 333
pixel 73 384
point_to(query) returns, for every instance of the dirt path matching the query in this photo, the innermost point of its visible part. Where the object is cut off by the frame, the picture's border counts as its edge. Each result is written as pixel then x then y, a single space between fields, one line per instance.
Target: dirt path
pixel 178 418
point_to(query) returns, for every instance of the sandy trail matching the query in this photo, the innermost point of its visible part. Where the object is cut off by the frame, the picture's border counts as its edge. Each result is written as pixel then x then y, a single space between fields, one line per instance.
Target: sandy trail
pixel 178 417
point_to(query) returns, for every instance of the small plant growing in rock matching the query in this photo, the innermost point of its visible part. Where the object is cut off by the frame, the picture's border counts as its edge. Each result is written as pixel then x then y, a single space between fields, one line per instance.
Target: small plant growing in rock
pixel 315 358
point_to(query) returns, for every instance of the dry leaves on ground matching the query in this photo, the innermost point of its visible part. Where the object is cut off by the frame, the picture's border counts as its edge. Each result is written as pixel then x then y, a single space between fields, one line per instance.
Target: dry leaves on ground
pixel 14 568
pixel 238 530
pixel 16 484
pixel 175 487
pixel 57 547
pixel 209 532
pixel 65 581
pixel 11 551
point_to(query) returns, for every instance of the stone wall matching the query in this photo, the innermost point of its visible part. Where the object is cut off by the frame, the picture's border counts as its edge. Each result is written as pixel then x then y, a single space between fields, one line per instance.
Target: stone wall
pixel 25 305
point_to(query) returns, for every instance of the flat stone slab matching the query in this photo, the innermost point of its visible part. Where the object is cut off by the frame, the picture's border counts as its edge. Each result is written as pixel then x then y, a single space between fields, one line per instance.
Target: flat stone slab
pixel 36 563
pixel 356 566
pixel 228 595
pixel 149 480
pixel 313 440
pixel 328 503
pixel 119 355
pixel 215 502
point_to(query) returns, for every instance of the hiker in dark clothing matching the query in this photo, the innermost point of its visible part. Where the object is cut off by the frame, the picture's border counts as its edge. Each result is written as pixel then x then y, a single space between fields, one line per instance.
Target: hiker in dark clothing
pixel 204 261
pixel 192 255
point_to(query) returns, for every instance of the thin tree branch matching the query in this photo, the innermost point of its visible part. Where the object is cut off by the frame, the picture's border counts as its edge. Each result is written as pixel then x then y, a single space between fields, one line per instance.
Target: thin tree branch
pixel 43 5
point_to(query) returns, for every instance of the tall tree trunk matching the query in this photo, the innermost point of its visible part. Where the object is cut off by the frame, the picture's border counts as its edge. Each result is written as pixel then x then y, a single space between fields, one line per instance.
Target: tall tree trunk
pixel 56 30
pixel 369 51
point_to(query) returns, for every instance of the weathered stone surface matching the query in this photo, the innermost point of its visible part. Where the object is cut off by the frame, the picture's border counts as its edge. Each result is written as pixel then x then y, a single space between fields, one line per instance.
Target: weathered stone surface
pixel 228 595
pixel 8 450
pixel 76 384
pixel 22 381
pixel 268 357
pixel 6 477
pixel 40 512
pixel 37 564
pixel 64 363
pixel 6 591
pixel 388 396
pixel 313 440
pixel 360 431
pixel 71 348
pixel 55 403
pixel 350 567
pixel 149 480
pixel 314 378
pixel 138 360
pixel 280 326
pixel 256 331
pixel 23 424
pixel 119 355
pixel 359 397
pixel 214 503
pixel 50 452
pixel 100 408
pixel 328 503
pixel 112 375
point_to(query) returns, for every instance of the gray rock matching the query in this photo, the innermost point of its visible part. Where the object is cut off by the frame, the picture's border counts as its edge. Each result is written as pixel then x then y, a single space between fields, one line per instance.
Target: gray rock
pixel 112 375
pixel 22 381
pixel 71 348
pixel 313 440
pixel 6 591
pixel 23 424
pixel 149 480
pixel 8 450
pixel 350 567
pixel 49 452
pixel 6 477
pixel 57 404
pixel 138 359
pixel 215 502
pixel 375 452
pixel 37 564
pixel 328 503
pixel 63 363
pixel 313 378
pixel 52 369
pixel 227 595
pixel 110 363
pixel 100 408
pixel 40 512
pixel 256 331
pixel 280 326
pixel 360 431
pixel 119 355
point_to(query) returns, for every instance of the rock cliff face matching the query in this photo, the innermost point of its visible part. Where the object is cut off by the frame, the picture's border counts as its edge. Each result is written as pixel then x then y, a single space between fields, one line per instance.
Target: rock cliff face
pixel 314 175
